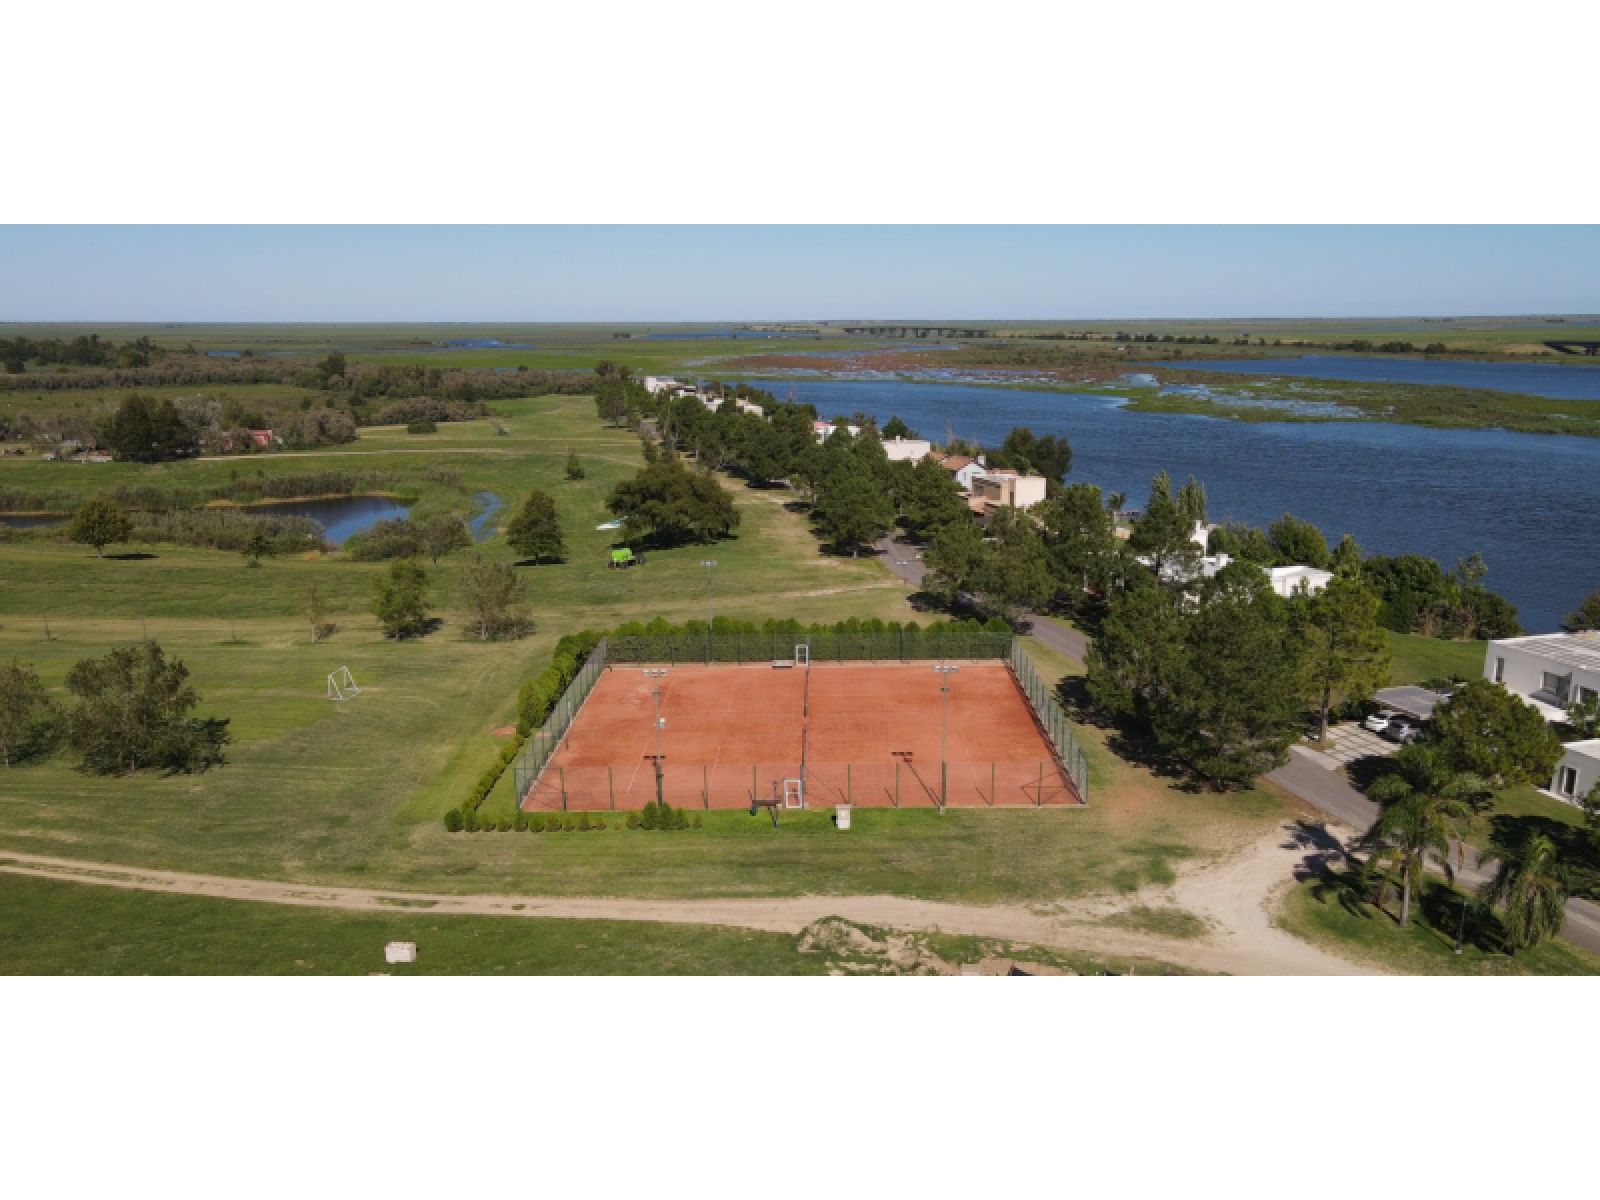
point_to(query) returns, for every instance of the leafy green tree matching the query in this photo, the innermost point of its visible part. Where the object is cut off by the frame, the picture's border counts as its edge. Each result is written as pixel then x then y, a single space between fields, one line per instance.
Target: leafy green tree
pixel 1191 500
pixel 894 427
pixel 575 469
pixel 929 498
pixel 132 711
pixel 99 522
pixel 674 504
pixel 400 599
pixel 1490 732
pixel 332 367
pixel 1346 557
pixel 1423 800
pixel 1015 575
pixel 1135 655
pixel 1583 718
pixel 1531 886
pixel 496 597
pixel 1233 703
pixel 1080 535
pixel 149 430
pixel 1585 616
pixel 444 533
pixel 27 714
pixel 1023 450
pixel 316 612
pixel 258 544
pixel 1347 654
pixel 535 532
pixel 954 561
pixel 1297 542
pixel 854 512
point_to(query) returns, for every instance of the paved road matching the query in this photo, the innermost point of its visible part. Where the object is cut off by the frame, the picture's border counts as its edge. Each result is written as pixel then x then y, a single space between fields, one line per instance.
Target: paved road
pixel 1302 776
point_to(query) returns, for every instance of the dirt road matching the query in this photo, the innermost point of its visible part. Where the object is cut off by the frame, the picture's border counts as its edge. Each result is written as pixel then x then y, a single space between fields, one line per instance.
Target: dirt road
pixel 1231 897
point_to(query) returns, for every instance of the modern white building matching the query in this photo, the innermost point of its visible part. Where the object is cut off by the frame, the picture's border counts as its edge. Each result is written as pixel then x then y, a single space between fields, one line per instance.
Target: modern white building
pixel 1286 581
pixel 823 430
pixel 1551 671
pixel 907 449
pixel 1578 771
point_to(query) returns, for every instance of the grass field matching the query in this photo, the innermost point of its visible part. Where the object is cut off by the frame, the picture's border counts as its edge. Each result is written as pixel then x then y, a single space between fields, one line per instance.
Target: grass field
pixel 1414 658
pixel 1428 947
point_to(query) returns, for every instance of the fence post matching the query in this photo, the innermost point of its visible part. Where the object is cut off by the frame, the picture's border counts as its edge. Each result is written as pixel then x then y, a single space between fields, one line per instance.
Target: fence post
pixel 563 773
pixel 992 796
pixel 897 783
pixel 847 795
pixel 1038 796
pixel 611 788
pixel 705 787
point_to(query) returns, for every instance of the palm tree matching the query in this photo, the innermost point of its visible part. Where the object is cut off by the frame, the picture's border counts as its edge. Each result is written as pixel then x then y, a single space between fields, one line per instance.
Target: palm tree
pixel 1422 799
pixel 1532 885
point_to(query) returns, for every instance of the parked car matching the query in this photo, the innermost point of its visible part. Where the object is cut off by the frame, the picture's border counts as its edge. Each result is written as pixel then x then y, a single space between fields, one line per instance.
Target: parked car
pixel 1403 730
pixel 1378 722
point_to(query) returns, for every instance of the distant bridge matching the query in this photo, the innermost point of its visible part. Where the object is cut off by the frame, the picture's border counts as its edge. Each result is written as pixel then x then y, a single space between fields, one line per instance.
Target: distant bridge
pixel 1587 349
pixel 916 331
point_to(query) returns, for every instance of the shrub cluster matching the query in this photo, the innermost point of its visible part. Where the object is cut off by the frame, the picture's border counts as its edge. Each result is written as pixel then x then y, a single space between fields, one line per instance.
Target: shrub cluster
pixel 396 537
pixel 664 817
pixel 539 695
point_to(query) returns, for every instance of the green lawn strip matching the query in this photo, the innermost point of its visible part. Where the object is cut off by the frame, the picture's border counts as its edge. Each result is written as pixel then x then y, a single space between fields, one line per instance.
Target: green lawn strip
pixel 1415 658
pixel 1319 914
pixel 49 927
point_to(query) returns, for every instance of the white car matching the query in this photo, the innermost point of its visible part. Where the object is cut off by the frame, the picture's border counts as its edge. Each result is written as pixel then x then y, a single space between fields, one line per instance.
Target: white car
pixel 1378 722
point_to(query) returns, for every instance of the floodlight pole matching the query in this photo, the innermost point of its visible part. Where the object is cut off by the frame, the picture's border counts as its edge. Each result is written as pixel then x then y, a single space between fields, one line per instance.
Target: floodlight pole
pixel 710 564
pixel 657 674
pixel 944 734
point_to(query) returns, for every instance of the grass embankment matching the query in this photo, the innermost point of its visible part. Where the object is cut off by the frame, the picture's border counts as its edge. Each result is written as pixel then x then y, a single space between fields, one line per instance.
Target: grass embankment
pixel 1319 913
pixel 1414 658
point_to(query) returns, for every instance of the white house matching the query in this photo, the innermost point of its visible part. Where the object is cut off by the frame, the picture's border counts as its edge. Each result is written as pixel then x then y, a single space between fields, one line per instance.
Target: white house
pixel 907 449
pixel 1551 671
pixel 1578 771
pixel 1286 581
pixel 963 469
pixel 660 383
pixel 823 430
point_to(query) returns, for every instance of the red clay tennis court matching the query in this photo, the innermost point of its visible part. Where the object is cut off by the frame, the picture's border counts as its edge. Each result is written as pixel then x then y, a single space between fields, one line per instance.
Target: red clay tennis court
pixel 860 733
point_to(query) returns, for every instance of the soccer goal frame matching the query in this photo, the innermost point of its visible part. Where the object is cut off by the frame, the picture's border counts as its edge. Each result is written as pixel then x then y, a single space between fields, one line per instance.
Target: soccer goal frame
pixel 342 684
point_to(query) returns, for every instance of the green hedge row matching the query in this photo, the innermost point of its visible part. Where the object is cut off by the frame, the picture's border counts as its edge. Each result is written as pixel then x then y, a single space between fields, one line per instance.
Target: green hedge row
pixel 664 817
pixel 539 695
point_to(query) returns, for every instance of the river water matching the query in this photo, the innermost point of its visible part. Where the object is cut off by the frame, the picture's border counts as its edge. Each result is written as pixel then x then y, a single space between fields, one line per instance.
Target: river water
pixel 1529 503
pixel 1556 381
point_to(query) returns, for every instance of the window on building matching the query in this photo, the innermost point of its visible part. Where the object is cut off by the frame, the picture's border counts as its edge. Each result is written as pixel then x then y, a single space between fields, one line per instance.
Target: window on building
pixel 1499 670
pixel 1559 686
pixel 1567 781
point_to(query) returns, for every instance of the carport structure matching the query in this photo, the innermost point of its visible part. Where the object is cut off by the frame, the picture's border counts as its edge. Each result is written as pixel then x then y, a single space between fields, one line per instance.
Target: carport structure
pixel 1415 702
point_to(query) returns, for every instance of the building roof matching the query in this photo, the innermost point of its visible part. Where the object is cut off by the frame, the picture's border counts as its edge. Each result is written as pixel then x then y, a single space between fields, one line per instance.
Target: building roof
pixel 1580 650
pixel 1587 749
pixel 1413 701
pixel 955 462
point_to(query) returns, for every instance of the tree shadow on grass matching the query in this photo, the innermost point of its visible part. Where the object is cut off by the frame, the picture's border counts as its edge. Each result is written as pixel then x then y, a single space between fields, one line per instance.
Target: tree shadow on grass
pixel 130 556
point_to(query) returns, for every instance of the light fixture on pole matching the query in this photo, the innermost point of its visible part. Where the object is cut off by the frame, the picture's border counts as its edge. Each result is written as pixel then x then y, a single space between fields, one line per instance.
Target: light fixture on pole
pixel 658 674
pixel 710 564
pixel 944 734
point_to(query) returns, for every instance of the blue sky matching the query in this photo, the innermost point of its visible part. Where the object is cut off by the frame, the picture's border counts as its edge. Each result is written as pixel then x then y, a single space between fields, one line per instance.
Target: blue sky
pixel 712 273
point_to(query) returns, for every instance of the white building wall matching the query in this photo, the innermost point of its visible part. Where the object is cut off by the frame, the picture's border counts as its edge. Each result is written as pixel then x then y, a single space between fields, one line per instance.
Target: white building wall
pixel 907 449
pixel 1523 671
pixel 1577 772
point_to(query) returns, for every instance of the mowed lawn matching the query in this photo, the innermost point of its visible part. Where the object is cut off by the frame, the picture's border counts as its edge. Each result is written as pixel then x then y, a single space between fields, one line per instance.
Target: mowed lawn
pixel 54 928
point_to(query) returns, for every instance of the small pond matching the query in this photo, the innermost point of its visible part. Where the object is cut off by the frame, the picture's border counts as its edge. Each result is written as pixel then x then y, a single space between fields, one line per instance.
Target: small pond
pixel 483 524
pixel 339 516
